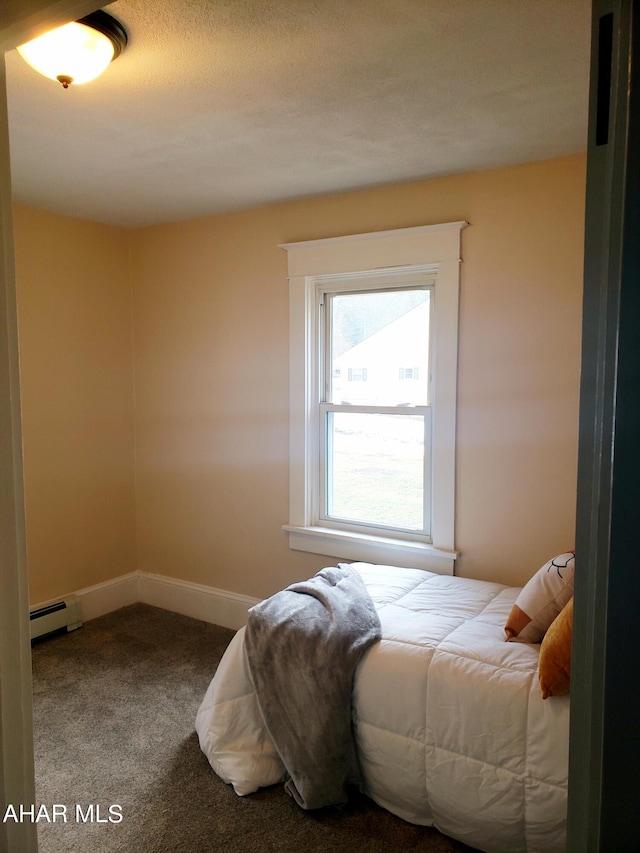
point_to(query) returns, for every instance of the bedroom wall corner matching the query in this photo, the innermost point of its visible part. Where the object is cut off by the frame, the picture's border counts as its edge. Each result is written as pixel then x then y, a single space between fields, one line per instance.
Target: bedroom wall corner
pixel 74 319
pixel 205 603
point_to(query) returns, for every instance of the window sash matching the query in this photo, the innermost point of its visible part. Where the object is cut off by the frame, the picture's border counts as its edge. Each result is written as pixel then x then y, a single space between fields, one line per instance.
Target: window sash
pixel 333 521
pixel 375 282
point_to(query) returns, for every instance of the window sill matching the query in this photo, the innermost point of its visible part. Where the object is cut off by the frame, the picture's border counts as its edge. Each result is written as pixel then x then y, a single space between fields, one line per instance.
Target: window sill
pixel 371 549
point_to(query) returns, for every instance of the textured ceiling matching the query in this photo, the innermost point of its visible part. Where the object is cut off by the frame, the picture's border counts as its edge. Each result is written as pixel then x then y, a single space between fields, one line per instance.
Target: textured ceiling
pixel 217 105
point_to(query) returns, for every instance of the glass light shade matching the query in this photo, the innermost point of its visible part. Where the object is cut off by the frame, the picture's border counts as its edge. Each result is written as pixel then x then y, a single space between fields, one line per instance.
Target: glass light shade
pixel 74 52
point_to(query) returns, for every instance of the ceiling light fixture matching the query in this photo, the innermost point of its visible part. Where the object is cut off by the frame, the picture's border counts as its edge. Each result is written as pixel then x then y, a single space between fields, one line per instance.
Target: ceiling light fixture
pixel 77 52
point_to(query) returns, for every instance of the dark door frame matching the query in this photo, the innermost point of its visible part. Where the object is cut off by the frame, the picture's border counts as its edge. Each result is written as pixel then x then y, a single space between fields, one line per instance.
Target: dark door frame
pixel 604 811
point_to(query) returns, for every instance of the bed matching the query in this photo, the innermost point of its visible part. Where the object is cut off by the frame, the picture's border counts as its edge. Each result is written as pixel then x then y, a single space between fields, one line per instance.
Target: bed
pixel 449 724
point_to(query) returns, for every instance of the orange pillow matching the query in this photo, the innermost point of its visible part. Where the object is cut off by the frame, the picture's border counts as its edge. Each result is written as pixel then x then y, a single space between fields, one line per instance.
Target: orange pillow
pixel 554 666
pixel 541 599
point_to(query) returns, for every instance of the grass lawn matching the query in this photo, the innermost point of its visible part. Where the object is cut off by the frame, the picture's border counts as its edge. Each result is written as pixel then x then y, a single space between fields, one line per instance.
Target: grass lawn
pixel 378 469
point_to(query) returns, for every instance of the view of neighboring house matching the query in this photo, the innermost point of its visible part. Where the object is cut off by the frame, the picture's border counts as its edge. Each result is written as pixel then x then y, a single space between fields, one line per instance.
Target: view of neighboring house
pixel 389 367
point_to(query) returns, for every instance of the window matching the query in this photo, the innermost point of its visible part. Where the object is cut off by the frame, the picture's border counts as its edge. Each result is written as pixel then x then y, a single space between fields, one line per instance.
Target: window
pixel 372 469
pixel 356 374
pixel 408 372
pixel 374 438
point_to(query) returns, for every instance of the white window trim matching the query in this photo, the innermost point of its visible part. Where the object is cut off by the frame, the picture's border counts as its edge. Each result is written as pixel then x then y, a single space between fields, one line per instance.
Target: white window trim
pixel 426 246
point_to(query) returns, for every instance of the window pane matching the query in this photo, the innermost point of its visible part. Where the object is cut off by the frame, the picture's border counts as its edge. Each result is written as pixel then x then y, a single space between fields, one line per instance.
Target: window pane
pixel 375 469
pixel 379 348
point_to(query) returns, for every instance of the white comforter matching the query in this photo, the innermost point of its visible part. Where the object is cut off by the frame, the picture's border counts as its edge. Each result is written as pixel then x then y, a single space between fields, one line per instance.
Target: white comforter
pixel 450 726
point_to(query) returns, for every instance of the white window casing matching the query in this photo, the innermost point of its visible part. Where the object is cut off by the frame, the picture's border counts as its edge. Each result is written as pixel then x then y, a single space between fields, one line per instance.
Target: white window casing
pixel 398 257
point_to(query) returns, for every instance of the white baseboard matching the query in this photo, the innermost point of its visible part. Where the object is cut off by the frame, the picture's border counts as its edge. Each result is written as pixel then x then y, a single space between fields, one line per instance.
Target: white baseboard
pixel 216 606
pixel 206 603
pixel 108 596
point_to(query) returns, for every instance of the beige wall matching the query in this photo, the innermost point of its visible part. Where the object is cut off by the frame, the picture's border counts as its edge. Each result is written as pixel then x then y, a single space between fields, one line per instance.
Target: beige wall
pixel 210 329
pixel 74 315
pixel 211 374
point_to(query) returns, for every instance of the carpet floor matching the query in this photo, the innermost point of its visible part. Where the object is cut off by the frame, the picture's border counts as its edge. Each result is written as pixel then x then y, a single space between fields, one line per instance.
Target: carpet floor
pixel 118 764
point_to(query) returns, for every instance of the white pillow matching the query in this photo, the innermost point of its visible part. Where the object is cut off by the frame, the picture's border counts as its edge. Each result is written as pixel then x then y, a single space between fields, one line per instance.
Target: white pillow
pixel 541 599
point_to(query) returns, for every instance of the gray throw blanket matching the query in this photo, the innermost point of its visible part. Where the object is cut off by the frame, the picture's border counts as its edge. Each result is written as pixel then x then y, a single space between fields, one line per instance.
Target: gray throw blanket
pixel 303 645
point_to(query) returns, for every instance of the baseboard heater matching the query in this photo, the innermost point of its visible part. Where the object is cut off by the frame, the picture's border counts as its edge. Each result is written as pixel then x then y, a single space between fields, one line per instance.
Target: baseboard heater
pixel 53 617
